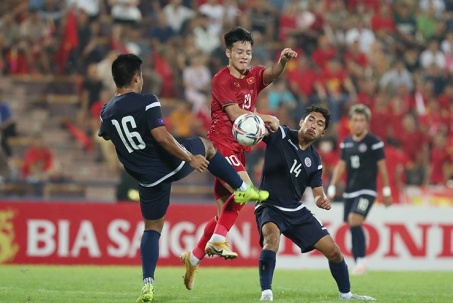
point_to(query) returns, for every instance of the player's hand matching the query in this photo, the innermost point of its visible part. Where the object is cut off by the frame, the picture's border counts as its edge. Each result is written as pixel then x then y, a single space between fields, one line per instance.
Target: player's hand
pixel 199 163
pixel 387 201
pixel 287 54
pixel 274 123
pixel 323 202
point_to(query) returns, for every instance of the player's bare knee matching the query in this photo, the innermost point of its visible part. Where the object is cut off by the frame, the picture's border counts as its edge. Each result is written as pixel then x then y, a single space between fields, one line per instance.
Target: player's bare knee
pixel 271 241
pixel 333 253
pixel 209 148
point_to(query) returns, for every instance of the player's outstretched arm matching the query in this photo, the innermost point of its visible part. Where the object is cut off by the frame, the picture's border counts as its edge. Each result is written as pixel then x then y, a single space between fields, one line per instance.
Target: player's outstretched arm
pixel 169 143
pixel 273 72
pixel 321 200
pixel 383 174
pixel 336 176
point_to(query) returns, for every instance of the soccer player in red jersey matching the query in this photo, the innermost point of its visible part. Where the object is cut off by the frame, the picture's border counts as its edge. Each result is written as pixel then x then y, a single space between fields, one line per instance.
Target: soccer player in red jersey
pixel 234 92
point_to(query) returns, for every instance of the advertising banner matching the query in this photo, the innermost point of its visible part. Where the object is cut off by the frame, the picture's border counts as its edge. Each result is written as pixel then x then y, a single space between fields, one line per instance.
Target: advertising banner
pixel 400 237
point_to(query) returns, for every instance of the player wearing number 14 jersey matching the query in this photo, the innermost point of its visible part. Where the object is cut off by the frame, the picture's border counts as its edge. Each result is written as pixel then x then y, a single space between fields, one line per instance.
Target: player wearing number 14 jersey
pixel 149 153
pixel 234 92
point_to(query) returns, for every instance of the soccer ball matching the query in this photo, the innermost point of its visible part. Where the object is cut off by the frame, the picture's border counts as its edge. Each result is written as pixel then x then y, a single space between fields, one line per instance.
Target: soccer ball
pixel 248 129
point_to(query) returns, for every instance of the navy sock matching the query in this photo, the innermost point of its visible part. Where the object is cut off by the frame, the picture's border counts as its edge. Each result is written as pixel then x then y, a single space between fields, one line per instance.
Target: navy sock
pixel 149 252
pixel 340 273
pixel 220 168
pixel 358 242
pixel 266 268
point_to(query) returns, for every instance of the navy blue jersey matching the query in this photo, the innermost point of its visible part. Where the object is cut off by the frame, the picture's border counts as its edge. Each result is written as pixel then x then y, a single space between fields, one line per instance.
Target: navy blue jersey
pixel 286 163
pixel 128 120
pixel 361 159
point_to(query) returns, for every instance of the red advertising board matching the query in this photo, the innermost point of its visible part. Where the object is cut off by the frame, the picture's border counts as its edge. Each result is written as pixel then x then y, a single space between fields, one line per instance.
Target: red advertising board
pixel 98 233
pixel 399 237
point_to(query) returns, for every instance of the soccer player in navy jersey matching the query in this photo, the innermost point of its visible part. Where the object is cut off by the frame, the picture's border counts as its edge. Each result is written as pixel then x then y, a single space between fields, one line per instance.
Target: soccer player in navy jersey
pixel 234 92
pixel 149 153
pixel 291 164
pixel 362 157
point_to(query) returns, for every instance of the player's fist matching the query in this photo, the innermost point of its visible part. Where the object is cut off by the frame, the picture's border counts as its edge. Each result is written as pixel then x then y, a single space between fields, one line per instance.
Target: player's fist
pixel 274 123
pixel 287 54
pixel 323 202
pixel 199 162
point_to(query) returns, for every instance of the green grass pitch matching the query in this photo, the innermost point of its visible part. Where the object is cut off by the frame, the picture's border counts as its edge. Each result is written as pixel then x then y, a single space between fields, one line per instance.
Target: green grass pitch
pixel 122 284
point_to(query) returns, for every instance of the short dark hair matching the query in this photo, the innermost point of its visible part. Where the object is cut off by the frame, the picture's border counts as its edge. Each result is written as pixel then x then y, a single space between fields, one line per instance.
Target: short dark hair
pixel 322 110
pixel 124 68
pixel 237 34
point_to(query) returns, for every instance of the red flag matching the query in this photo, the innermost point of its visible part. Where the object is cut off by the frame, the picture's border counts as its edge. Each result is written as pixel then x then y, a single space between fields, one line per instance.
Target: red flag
pixel 69 41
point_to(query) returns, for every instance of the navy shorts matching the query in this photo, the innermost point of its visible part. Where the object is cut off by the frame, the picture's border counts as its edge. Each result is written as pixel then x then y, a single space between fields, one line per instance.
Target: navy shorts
pixel 301 226
pixel 359 205
pixel 154 200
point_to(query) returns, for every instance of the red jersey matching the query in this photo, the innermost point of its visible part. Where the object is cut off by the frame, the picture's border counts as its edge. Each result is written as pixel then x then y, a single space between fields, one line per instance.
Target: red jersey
pixel 226 90
pixel 37 156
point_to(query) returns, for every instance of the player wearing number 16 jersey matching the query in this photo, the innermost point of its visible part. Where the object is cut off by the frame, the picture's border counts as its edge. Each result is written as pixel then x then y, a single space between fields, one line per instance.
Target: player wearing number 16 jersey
pixel 234 92
pixel 149 153
pixel 362 157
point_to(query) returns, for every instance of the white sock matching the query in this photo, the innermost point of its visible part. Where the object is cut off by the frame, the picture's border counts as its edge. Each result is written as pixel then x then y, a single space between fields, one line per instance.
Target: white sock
pixel 347 295
pixel 244 186
pixel 217 238
pixel 193 260
pixel 148 280
pixel 267 292
pixel 361 260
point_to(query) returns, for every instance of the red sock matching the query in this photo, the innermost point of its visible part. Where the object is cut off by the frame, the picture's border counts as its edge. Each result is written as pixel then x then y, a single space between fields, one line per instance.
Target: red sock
pixel 228 216
pixel 198 251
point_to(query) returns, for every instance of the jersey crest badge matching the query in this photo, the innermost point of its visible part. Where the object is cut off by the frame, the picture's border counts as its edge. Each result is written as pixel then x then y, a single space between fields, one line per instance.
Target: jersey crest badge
pixel 307 162
pixel 362 148
pixel 251 80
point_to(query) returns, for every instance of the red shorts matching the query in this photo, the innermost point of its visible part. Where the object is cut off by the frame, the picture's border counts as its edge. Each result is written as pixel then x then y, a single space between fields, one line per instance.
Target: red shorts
pixel 237 160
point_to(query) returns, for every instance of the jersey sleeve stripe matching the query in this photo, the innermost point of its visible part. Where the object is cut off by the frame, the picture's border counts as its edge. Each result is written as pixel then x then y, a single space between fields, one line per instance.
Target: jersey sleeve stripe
pixel 377 145
pixel 283 132
pixel 154 104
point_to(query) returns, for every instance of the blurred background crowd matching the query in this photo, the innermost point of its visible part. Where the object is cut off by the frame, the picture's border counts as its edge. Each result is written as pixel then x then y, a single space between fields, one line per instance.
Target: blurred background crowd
pixel 395 56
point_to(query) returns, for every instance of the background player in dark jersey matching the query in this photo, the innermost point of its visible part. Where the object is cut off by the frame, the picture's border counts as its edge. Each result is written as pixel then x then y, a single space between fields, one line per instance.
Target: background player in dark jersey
pixel 149 153
pixel 234 92
pixel 291 165
pixel 362 157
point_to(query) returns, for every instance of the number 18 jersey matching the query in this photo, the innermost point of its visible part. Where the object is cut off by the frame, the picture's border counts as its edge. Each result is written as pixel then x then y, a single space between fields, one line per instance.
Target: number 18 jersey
pixel 361 159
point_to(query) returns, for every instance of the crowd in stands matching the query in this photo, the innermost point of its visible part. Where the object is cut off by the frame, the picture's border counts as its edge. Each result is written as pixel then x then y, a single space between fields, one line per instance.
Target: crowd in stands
pixel 395 56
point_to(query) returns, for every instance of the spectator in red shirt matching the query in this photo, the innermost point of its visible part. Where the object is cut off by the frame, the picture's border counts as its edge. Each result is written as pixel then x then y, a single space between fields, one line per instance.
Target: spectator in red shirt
pixel 323 52
pixel 439 160
pixel 302 80
pixel 39 163
pixel 382 22
pixel 433 121
pixel 396 113
pixel 446 98
pixel 397 161
pixel 412 139
pixel 337 88
pixel 380 122
pixel 356 61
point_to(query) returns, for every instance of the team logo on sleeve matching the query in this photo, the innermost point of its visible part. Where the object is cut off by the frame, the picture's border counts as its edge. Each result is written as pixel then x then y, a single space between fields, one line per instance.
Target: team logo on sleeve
pixel 307 162
pixel 160 121
pixel 362 148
